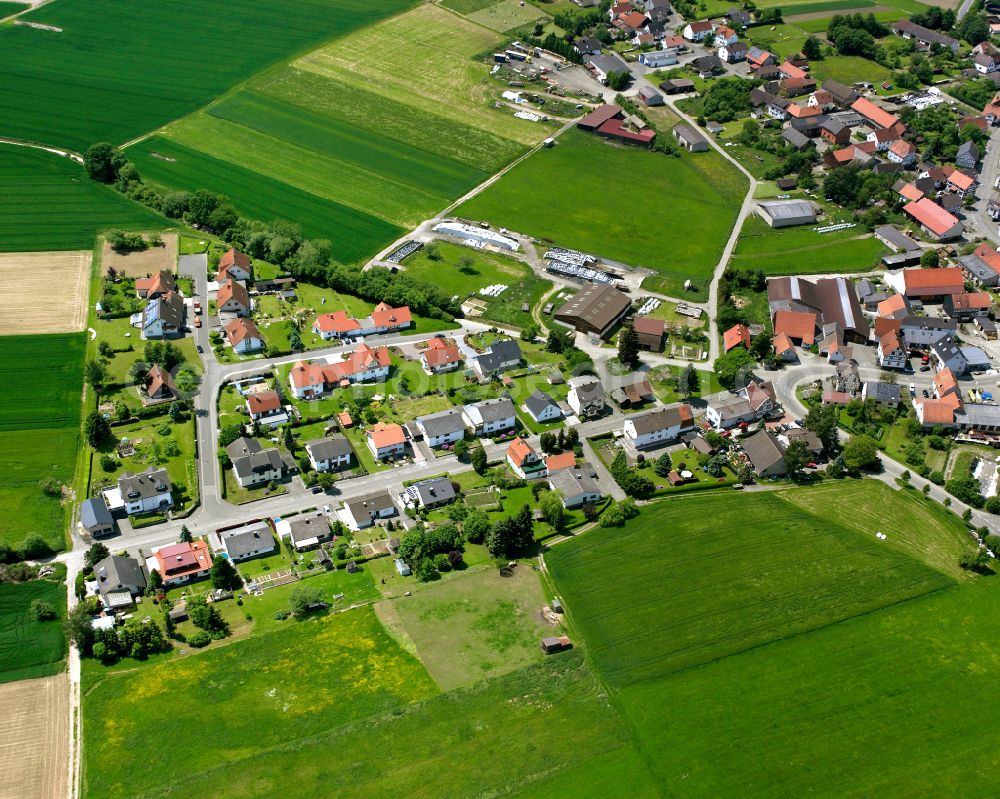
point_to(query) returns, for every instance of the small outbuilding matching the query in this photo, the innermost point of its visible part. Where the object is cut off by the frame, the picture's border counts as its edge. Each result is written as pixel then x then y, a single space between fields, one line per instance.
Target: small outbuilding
pixel 554 644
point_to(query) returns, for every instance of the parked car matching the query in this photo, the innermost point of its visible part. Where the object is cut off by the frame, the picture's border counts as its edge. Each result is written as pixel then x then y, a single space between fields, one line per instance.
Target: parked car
pixel 200 348
pixel 925 368
pixel 197 321
pixel 926 393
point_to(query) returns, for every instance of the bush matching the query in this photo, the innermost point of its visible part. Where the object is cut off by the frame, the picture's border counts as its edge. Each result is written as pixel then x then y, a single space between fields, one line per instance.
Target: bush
pixel 280 615
pixel 40 610
pixel 34 547
pixel 199 639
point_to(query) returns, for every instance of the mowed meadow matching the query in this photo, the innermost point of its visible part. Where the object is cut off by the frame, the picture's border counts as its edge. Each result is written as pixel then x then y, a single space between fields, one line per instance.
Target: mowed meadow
pixel 769 642
pixel 40 385
pixel 353 141
pixel 47 202
pixel 113 71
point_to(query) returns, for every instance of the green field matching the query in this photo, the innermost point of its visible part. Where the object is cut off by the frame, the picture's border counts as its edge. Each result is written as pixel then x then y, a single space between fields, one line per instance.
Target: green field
pixel 48 203
pixel 8 8
pixel 887 704
pixel 507 15
pixel 801 250
pixel 98 81
pixel 30 648
pixel 588 195
pixel 849 69
pixel 817 6
pixel 742 570
pixel 39 429
pixel 352 233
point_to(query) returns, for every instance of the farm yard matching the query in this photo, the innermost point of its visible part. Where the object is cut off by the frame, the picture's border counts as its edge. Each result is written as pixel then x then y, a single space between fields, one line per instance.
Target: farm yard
pixel 801 250
pixel 31 648
pixel 541 197
pixel 42 292
pixel 34 729
pixel 48 202
pixel 39 431
pixel 80 85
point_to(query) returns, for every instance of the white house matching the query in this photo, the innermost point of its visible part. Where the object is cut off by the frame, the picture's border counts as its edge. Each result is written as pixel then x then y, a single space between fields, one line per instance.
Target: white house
pixel 444 427
pixel 244 336
pixel 524 461
pixel 265 407
pixel 329 454
pixel 725 36
pixel 365 511
pixel 233 298
pixel 891 352
pixel 586 397
pixel 732 53
pixel 697 31
pixel 658 58
pixel 308 380
pixel 490 416
pixel 146 492
pixel 162 317
pixel 576 486
pixel 541 407
pixel 386 441
pixel 245 541
pixel 252 464
pixel 234 265
pixel 659 426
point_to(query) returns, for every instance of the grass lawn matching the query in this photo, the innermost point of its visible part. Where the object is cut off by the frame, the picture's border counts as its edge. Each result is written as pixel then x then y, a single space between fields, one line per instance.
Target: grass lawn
pixel 801 250
pixel 39 430
pixel 237 495
pixel 507 15
pixel 28 648
pixel 543 197
pixel 872 689
pixel 359 442
pixel 79 85
pixel 666 392
pixel 849 69
pixel 793 571
pixel 129 347
pixel 48 202
pixel 8 8
pixel 486 269
pixel 475 626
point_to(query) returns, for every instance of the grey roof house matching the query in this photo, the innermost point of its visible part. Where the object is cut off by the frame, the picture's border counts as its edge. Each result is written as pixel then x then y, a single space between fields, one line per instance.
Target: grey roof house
pixel 95 517
pixel 434 492
pixel 541 407
pixel 119 581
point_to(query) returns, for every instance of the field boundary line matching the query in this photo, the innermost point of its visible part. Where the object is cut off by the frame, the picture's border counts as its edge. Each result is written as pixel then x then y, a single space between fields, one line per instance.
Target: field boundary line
pixel 72 155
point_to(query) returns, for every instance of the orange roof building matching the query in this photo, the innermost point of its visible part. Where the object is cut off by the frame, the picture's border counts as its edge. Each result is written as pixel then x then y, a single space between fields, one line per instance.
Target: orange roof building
pixel 945 383
pixel 182 562
pixel 875 116
pixel 234 264
pixel 244 336
pixel 910 192
pixel 263 403
pixel 523 460
pixel 797 325
pixel 440 357
pixel 895 306
pixel 927 282
pixel 736 335
pixel 232 297
pixel 386 440
pixel 155 286
pixel 783 346
pixel 564 460
pixel 933 219
pixel 310 380
pixel 383 319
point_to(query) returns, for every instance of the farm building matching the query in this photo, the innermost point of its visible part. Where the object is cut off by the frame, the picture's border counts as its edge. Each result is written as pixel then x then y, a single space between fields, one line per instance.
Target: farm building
pixel 552 644
pixel 650 96
pixel 598 117
pixel 595 310
pixel 786 213
pixel 936 222
pixel 658 58
pixel 649 332
pixel 690 139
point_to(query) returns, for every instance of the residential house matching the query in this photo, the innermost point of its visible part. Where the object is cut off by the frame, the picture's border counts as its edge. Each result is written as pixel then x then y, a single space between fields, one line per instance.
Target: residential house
pixel 309 380
pixel 634 394
pixel 927 283
pixel 265 407
pixel 891 351
pixel 766 455
pixel 983 266
pixel 649 332
pixel 739 17
pixel 658 427
pixel 822 100
pixel 949 355
pixel 884 138
pixel 656 59
pixel 306 532
pixel 541 407
pixel 736 336
pixel 783 347
pixel 162 317
pixel 758 58
pixel 961 183
pixel 991 111
pixel 847 379
pixel 834 132
pixel 886 394
pixel 182 562
pixel 733 53
pixel 243 336
pixel 577 487
pixel 149 288
pixel 252 464
pixel 95 517
pixel 233 298
pixel 440 357
pixel 443 427
pixel 725 35
pixel 383 319
pixel 585 45
pixel 234 265
pixel 146 492
pixel 524 461
pixel 902 152
pixel 706 66
pixel 119 580
pixel 945 384
pixel 490 416
pixel 245 541
pixel 586 396
pixel 434 493
pixel 503 354
pixel 330 454
pixel 923 331
pixel 936 222
pixel 160 385
pixel 966 306
pixel 386 441
pixel 697 31
pixel 365 511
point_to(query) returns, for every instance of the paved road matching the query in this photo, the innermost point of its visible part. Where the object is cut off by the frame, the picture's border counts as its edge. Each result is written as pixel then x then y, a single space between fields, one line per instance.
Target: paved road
pixel 987 178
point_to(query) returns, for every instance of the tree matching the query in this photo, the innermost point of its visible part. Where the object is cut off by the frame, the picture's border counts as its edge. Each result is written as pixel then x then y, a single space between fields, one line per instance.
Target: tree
pixel 479 461
pixel 206 617
pixel 461 448
pixel 628 346
pixel 154 583
pixel 325 480
pixel 812 49
pixel 551 505
pixel 466 264
pixel 966 489
pixel 78 628
pixel 105 350
pixel 476 526
pixel 185 536
pixel 511 536
pixel 95 554
pixel 618 79
pixel 96 428
pixel 95 373
pixel 224 575
pixel 729 366
pixel 556 341
pixel 930 259
pixel 40 610
pixel 973 28
pixel 295 339
pixel 547 441
pixel 102 162
pixel 663 465
pixel 860 452
pixel 303 599
pixel 229 433
pixel 796 457
pixel 822 420
pixel 529 332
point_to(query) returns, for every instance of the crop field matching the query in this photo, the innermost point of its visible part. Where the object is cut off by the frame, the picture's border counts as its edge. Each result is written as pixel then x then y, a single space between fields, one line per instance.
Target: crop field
pixel 732 585
pixel 565 195
pixel 476 627
pixel 35 735
pixel 824 6
pixel 886 704
pixel 352 233
pixel 31 648
pixel 39 430
pixel 80 84
pixel 8 8
pixel 801 250
pixel 43 292
pixel 48 203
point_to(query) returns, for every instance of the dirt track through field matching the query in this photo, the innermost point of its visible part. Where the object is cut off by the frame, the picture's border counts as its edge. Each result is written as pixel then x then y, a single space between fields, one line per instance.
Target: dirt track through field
pixel 43 292
pixel 34 738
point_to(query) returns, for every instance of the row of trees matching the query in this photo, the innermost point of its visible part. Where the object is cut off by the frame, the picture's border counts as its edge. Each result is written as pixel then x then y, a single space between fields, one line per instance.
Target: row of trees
pixel 631 482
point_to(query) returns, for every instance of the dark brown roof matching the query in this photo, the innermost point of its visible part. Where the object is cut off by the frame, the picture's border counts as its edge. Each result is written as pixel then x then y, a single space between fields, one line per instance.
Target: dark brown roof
pixel 595 308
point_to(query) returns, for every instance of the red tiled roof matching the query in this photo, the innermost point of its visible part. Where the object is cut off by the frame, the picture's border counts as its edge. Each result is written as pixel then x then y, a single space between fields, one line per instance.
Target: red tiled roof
pixel 736 335
pixel 884 324
pixel 792 71
pixel 782 344
pixel 989 255
pixel 890 342
pixel 634 19
pixel 519 450
pixel 896 303
pixel 873 113
pixel 240 329
pixel 931 215
pixel 935 411
pixel 617 129
pixel 232 290
pixel 948 277
pixel 971 300
pixel 385 315
pixel 177 560
pixel 803 111
pixel 945 382
pixel 910 192
pixel 796 324
pixel 441 355
pixel 386 435
pixel 960 180
pixel 564 460
pixel 701 25
pixel 233 257
pixel 648 326
pixel 263 402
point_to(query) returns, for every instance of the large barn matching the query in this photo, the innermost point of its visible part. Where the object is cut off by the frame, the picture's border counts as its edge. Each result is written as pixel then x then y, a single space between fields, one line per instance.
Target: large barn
pixel 595 309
